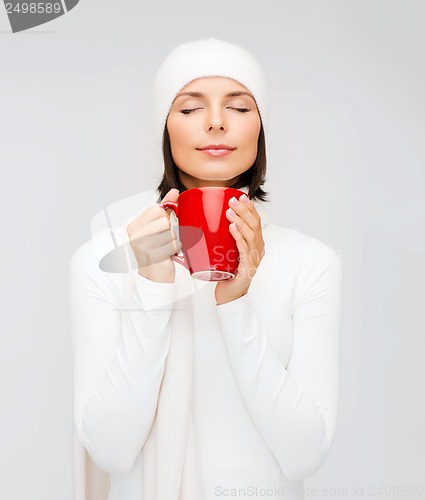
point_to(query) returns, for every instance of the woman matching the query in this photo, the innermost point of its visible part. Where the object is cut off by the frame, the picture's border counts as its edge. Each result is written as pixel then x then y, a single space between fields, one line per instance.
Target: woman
pixel 193 390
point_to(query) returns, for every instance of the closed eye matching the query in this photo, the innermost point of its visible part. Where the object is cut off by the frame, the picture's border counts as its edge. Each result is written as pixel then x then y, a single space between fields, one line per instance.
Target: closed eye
pixel 242 110
pixel 187 111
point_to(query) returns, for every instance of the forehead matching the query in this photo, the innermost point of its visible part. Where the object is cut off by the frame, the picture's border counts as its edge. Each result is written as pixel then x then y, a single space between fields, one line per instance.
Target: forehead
pixel 214 84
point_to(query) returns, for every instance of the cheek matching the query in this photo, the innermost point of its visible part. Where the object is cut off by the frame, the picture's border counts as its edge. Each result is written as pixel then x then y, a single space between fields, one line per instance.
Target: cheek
pixel 176 140
pixel 250 136
pixel 181 147
pixel 179 133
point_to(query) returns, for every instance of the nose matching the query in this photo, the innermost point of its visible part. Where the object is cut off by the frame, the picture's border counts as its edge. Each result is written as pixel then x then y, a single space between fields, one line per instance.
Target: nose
pixel 215 120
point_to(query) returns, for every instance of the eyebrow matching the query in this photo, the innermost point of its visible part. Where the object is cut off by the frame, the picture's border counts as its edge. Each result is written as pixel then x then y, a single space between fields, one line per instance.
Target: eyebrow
pixel 199 94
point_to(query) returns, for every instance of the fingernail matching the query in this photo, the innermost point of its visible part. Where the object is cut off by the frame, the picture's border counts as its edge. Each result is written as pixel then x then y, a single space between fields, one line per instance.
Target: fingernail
pixel 234 202
pixel 244 199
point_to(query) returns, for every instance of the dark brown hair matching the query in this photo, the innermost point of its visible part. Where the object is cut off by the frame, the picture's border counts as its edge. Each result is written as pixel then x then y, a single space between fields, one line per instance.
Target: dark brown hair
pixel 254 177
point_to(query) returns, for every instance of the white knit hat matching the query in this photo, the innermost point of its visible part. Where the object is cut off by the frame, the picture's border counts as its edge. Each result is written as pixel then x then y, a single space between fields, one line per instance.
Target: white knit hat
pixel 203 58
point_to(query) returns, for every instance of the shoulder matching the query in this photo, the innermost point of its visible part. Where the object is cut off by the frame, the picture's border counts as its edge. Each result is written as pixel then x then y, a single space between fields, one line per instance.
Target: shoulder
pixel 298 247
pixel 83 263
pixel 109 225
pixel 83 256
pixel 85 273
pixel 298 253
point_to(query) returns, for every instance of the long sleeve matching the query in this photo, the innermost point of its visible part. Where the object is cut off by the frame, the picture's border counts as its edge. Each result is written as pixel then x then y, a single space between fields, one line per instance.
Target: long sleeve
pixel 293 408
pixel 119 360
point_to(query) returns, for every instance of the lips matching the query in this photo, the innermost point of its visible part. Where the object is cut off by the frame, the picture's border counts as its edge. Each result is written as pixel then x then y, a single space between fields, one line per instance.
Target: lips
pixel 216 146
pixel 217 149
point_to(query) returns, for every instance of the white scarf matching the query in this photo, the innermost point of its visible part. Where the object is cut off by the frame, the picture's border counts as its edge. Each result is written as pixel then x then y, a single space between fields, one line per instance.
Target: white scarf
pixel 171 464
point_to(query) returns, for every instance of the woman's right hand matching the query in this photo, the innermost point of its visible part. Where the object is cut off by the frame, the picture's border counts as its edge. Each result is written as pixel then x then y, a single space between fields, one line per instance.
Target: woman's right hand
pixel 153 242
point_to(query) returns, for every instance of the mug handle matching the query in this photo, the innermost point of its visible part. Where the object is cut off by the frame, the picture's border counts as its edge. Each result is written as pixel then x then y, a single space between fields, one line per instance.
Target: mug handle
pixel 181 259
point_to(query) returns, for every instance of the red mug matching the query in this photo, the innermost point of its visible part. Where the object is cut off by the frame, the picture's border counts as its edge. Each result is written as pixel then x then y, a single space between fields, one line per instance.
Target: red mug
pixel 209 250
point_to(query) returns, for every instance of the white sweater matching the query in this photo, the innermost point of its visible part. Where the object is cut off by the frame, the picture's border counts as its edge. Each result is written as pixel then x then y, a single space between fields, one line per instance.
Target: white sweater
pixel 266 366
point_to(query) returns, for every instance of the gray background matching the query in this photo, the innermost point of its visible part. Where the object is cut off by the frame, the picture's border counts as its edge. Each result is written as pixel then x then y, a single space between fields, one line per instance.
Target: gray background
pixel 346 164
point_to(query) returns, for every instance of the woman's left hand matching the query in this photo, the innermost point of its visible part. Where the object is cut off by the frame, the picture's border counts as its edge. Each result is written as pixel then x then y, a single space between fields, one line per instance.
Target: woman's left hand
pixel 245 227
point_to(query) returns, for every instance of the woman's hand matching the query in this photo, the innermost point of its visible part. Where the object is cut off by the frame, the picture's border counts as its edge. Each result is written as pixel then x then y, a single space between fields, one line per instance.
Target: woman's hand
pixel 245 227
pixel 154 242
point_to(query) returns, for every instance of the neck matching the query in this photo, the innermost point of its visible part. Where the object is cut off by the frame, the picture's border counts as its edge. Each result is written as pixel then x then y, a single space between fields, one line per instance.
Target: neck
pixel 190 182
